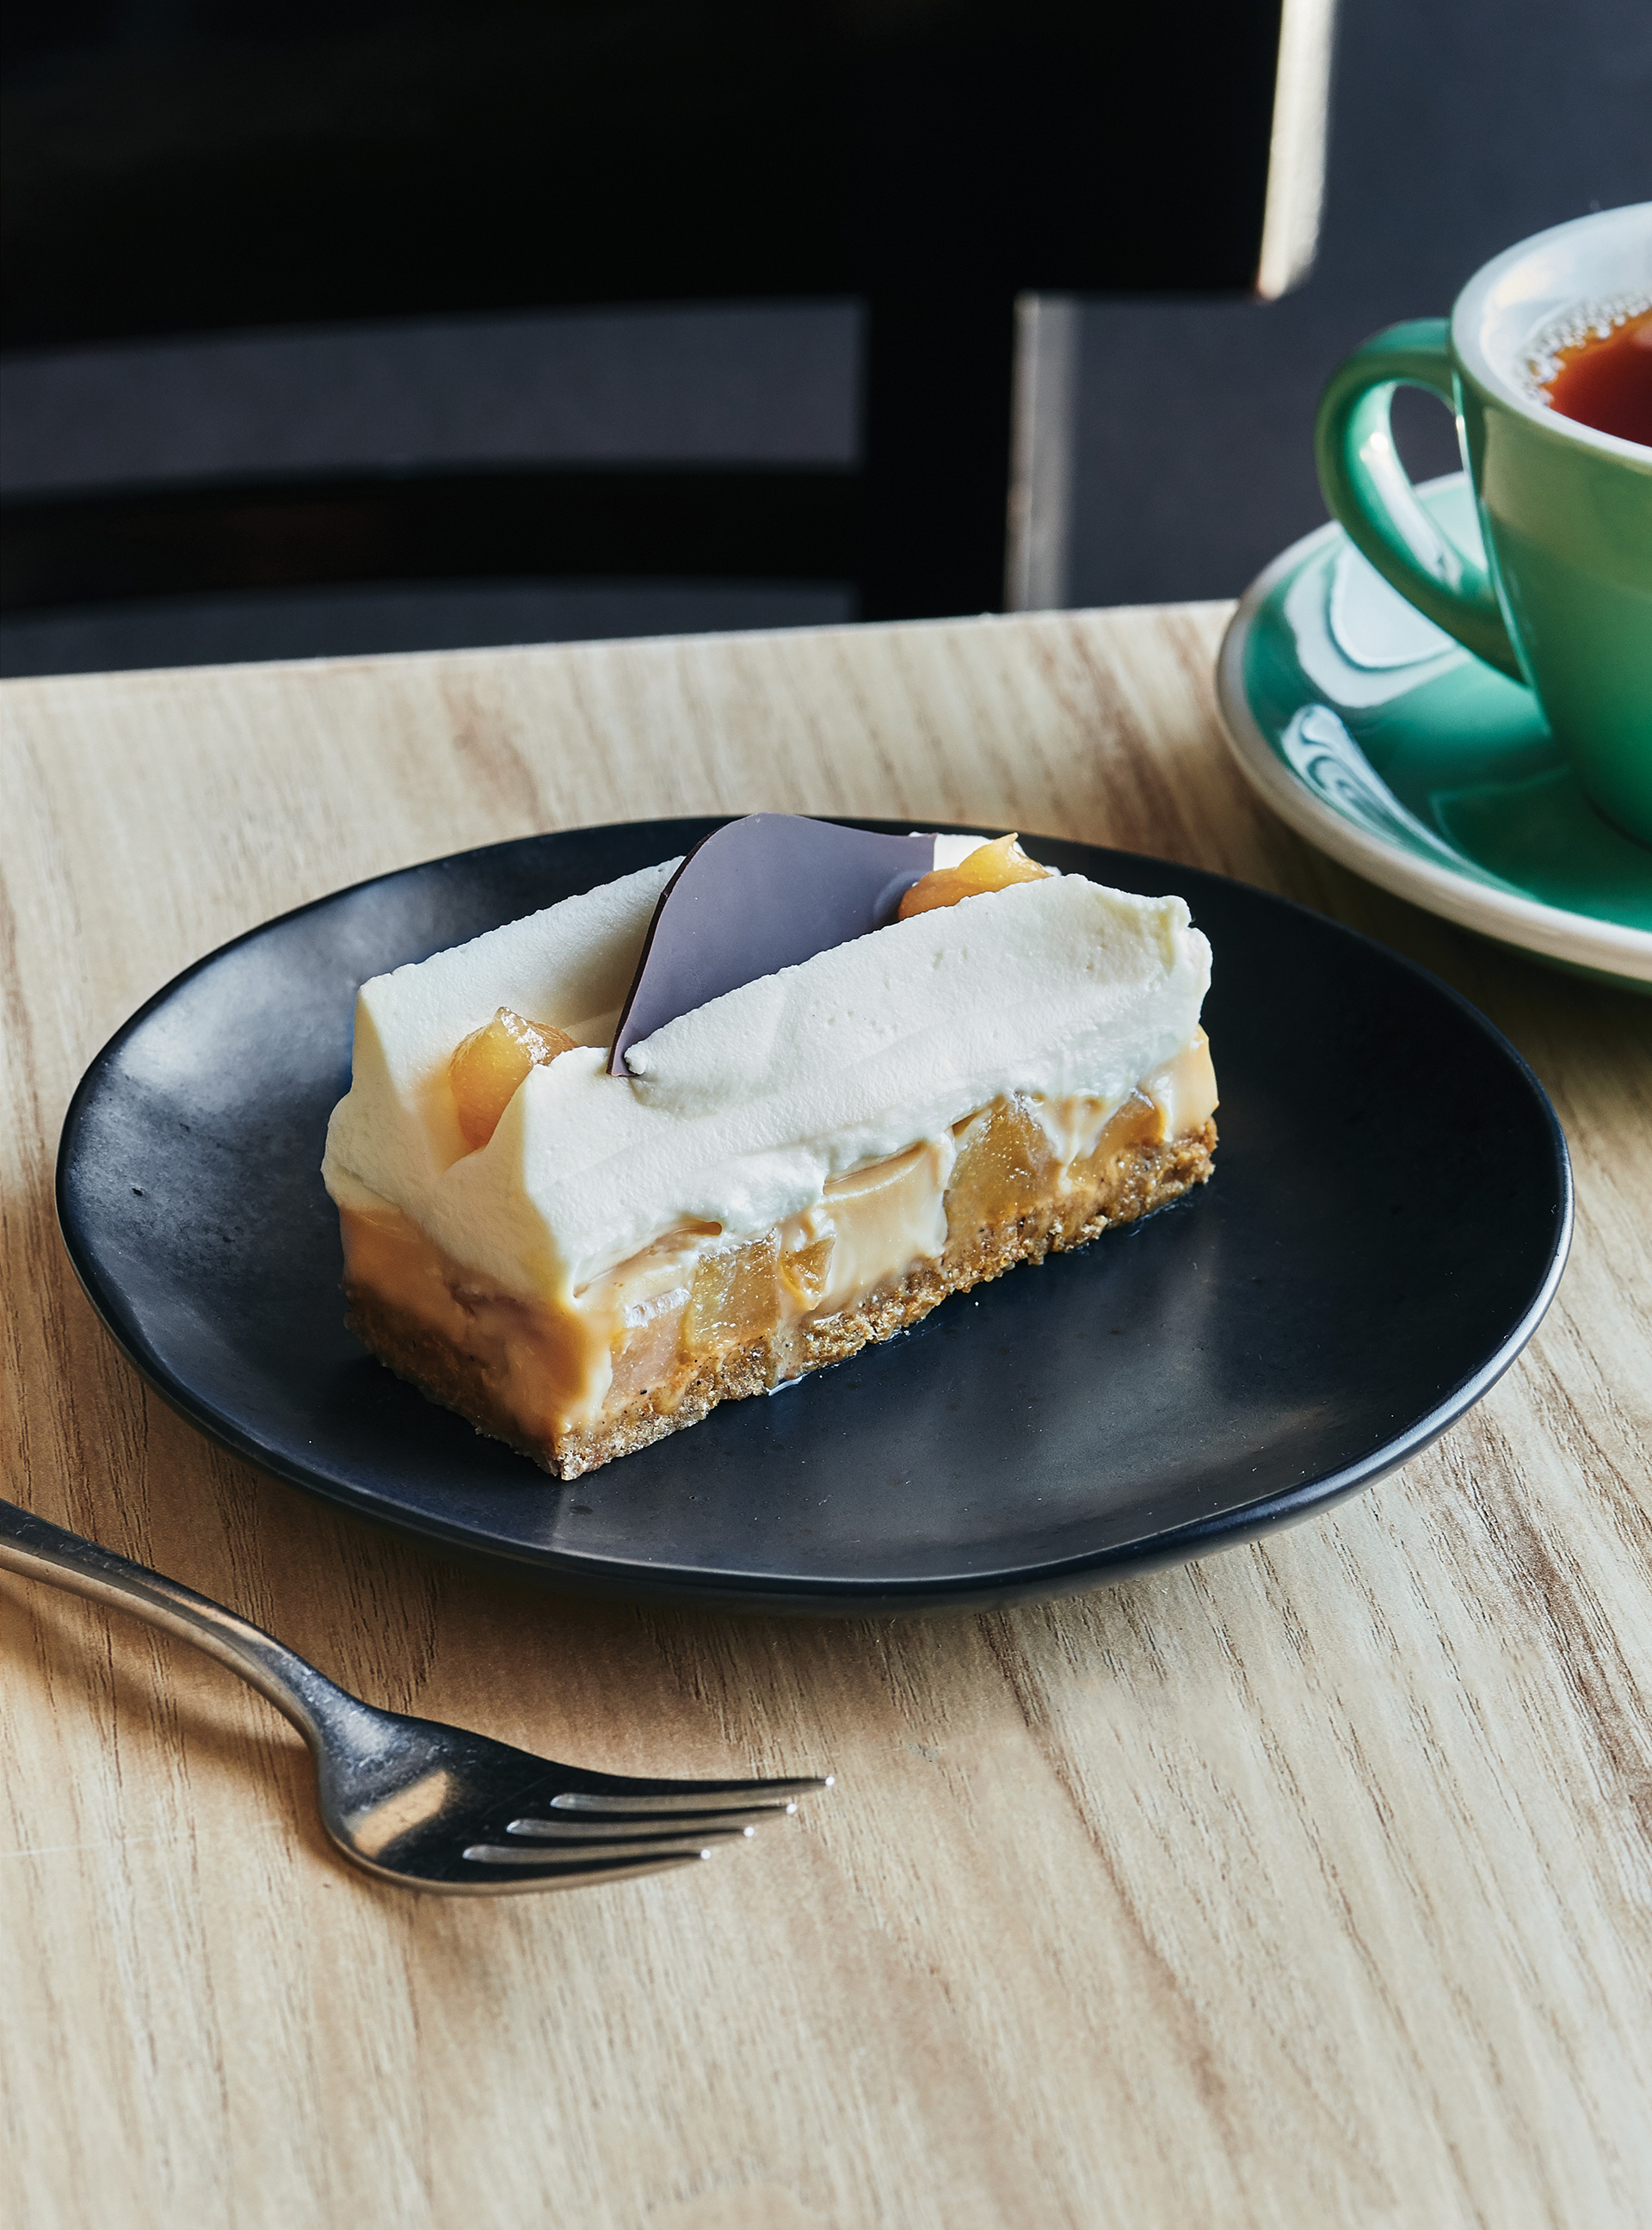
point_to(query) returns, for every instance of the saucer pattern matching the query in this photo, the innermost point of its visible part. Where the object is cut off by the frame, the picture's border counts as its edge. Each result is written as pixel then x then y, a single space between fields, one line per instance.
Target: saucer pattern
pixel 1390 746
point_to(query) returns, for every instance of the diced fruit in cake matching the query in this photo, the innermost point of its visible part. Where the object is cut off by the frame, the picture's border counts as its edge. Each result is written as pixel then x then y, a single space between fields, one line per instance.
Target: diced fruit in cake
pixel 487 1069
pixel 989 868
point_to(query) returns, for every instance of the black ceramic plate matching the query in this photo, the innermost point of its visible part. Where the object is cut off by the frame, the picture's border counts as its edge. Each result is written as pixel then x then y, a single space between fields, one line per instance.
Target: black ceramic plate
pixel 1387 1224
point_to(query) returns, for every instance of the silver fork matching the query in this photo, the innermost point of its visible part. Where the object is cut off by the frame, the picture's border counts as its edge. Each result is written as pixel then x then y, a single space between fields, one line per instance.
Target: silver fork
pixel 424 1805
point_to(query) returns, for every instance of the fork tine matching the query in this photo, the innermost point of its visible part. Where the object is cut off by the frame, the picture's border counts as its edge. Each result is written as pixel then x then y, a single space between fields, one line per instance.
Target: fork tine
pixel 578 1874
pixel 592 1834
pixel 706 1796
pixel 593 1825
pixel 590 1860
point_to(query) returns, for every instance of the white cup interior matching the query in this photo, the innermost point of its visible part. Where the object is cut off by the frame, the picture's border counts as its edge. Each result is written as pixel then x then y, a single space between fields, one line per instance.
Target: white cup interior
pixel 1507 305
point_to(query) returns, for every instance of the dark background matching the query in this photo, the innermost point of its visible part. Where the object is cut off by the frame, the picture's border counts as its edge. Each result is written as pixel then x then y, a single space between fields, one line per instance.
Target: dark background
pixel 1456 129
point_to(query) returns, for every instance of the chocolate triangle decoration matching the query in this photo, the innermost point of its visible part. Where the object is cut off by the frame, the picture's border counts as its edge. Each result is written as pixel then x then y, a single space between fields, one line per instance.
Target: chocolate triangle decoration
pixel 758 894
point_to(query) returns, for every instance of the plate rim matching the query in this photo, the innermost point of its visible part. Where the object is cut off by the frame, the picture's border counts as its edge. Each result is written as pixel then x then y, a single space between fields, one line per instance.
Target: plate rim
pixel 636 1580
pixel 1581 940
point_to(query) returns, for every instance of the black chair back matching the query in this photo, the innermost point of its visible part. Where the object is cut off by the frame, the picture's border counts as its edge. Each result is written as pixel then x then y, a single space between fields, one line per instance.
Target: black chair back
pixel 221 163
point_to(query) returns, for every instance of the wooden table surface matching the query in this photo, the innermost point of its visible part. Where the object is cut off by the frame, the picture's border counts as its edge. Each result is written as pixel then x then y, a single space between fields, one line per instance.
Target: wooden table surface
pixel 1308 1885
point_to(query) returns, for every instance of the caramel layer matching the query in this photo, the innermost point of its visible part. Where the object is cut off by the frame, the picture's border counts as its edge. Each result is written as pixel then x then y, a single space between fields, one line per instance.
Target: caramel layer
pixel 698 1318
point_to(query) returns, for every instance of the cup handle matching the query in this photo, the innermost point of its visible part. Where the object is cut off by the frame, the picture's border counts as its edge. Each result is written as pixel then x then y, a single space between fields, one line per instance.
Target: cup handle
pixel 1367 491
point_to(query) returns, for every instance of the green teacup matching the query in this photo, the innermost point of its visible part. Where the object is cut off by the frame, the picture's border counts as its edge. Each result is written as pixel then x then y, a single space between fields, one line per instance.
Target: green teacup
pixel 1564 601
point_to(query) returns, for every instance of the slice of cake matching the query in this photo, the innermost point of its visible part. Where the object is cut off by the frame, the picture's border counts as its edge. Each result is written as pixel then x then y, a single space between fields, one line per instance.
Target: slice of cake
pixel 987 1060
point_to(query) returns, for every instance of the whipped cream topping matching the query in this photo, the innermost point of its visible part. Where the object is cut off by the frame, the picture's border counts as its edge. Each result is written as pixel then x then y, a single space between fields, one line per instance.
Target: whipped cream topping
pixel 741 1114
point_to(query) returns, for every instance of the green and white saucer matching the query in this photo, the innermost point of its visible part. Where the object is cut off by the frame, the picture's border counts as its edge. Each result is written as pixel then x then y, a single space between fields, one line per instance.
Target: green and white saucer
pixel 1396 750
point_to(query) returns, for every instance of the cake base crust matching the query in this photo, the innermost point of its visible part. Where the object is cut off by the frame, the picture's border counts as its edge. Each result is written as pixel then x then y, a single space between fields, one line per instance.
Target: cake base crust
pixel 1137 1180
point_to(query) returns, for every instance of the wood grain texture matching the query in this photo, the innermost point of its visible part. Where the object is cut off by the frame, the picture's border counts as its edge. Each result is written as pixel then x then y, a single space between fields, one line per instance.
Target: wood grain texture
pixel 1308 1885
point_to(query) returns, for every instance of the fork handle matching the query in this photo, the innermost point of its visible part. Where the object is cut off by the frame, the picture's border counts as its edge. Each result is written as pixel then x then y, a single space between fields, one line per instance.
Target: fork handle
pixel 42 1551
